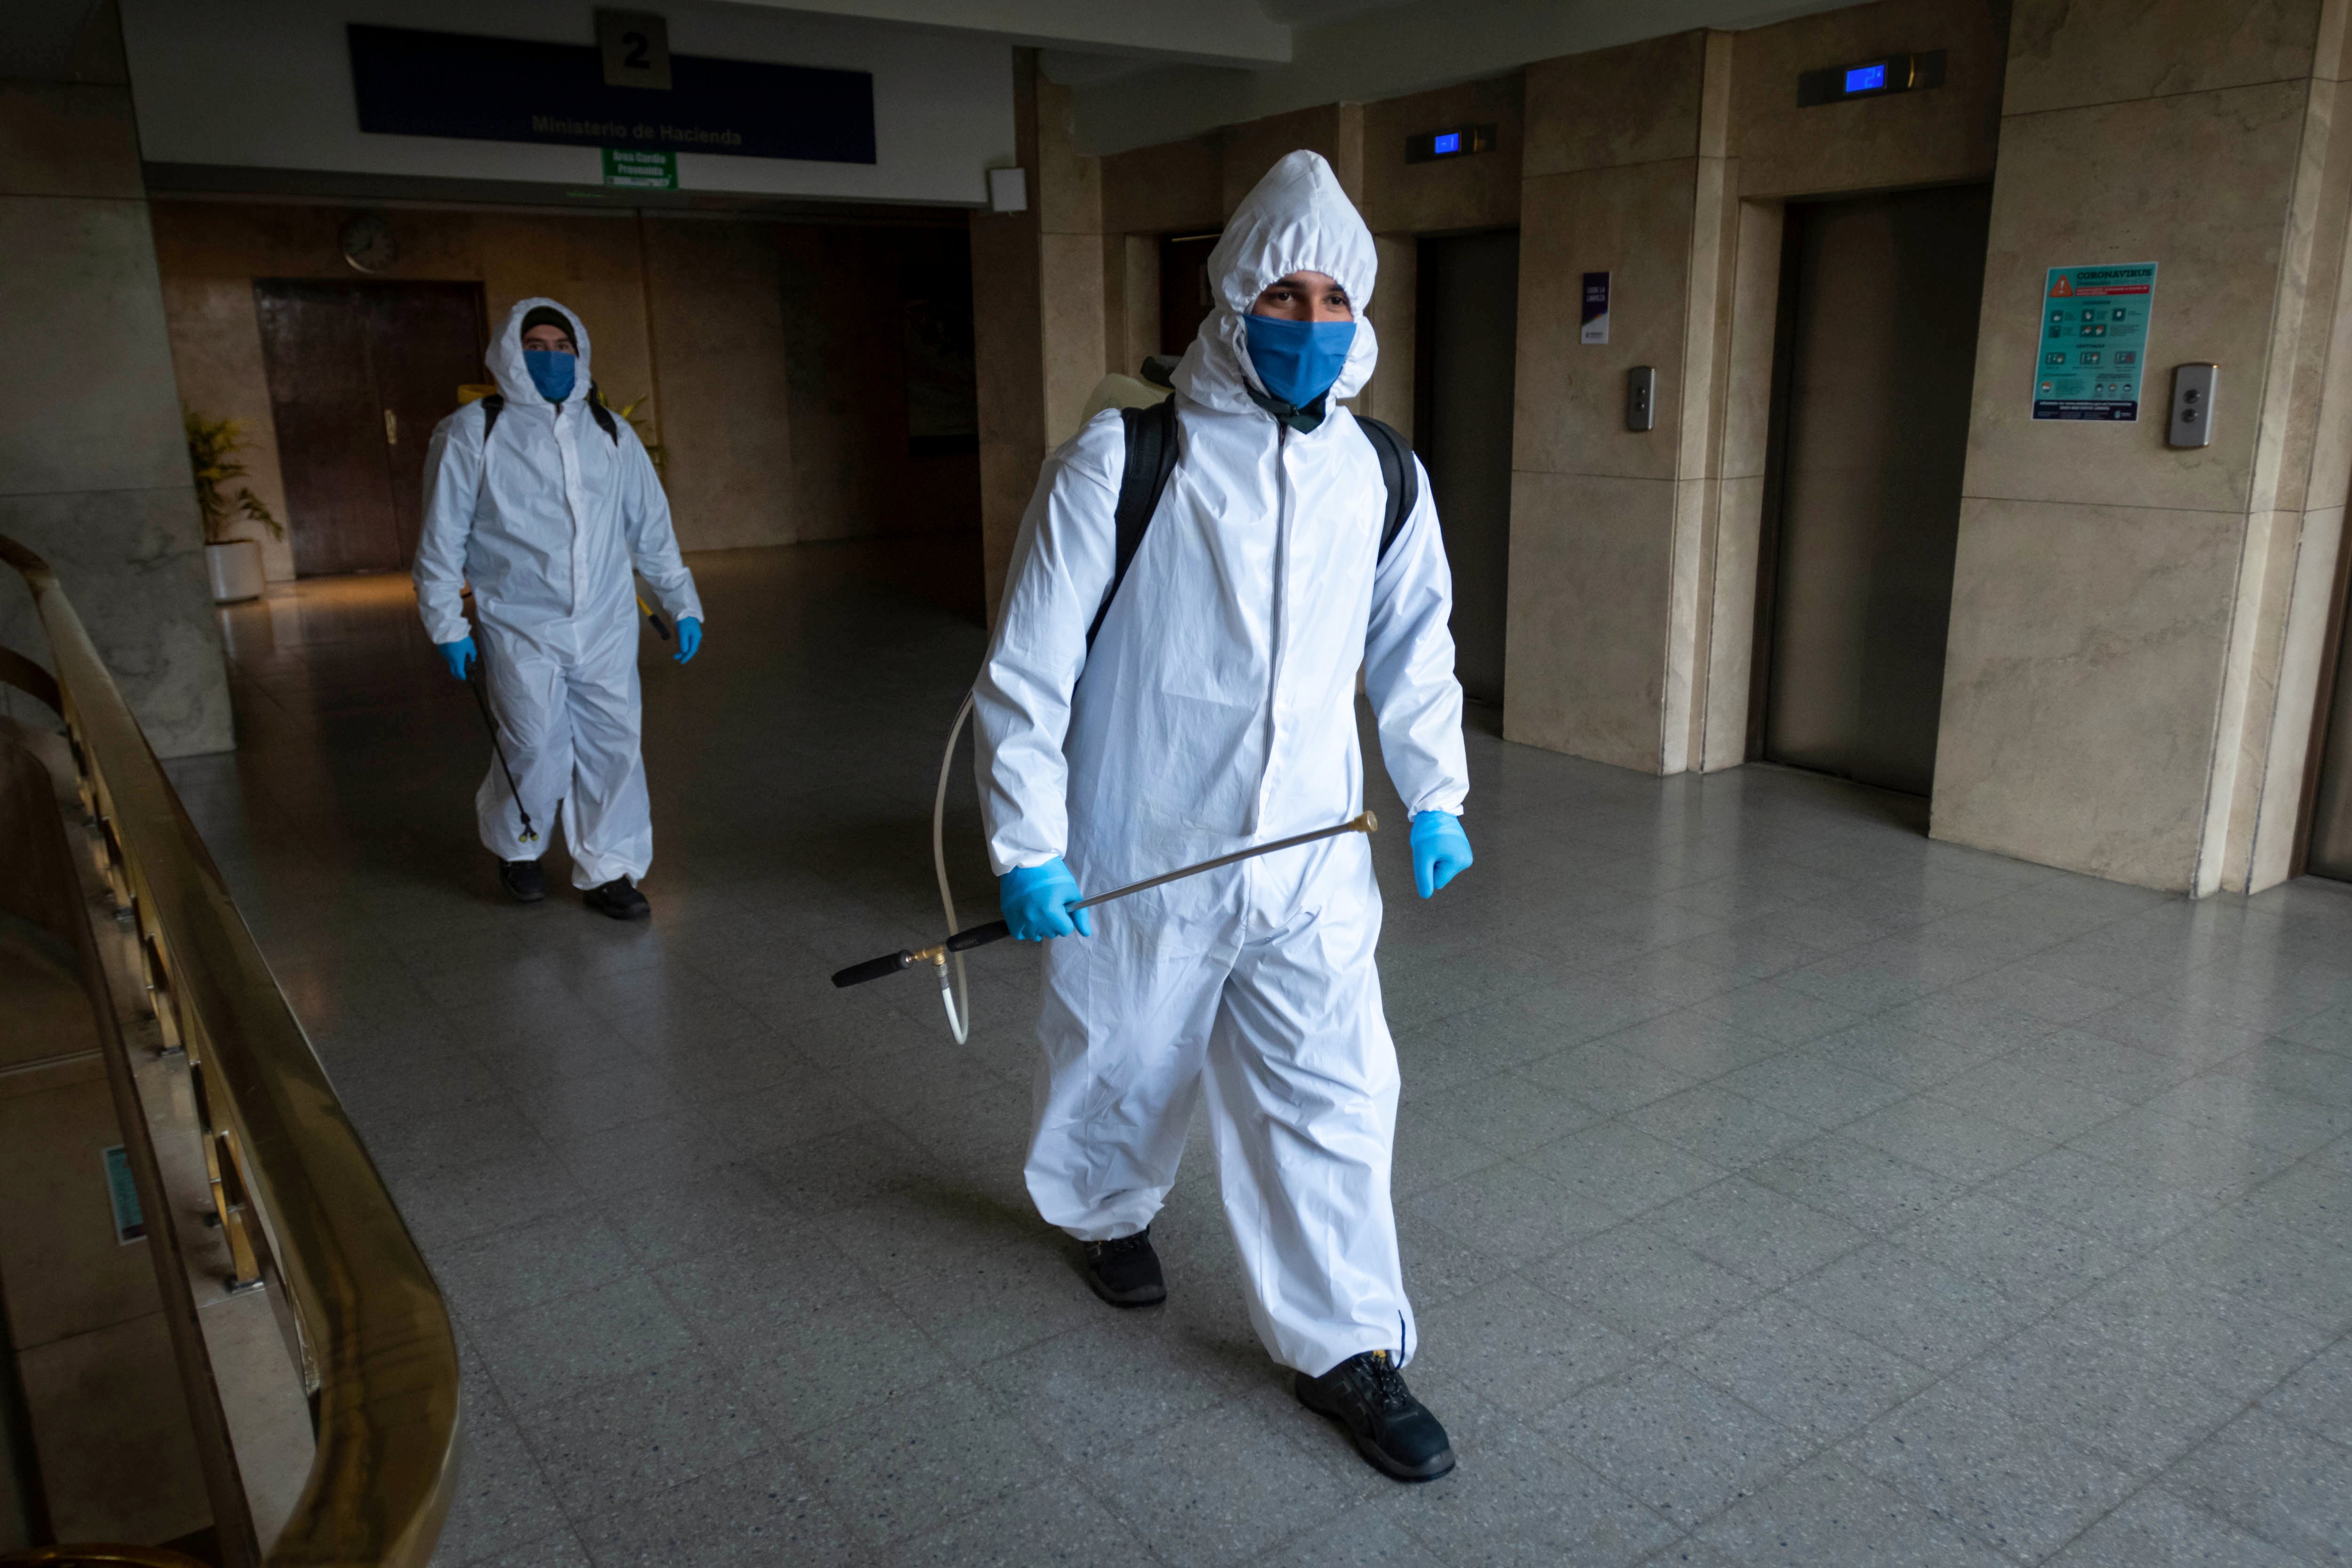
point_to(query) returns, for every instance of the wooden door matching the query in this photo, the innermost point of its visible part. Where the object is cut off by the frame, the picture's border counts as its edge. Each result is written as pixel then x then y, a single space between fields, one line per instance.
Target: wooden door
pixel 1185 298
pixel 358 374
pixel 426 340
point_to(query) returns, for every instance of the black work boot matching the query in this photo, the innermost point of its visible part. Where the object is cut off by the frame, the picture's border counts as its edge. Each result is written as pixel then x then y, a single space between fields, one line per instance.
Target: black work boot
pixel 1126 1272
pixel 619 898
pixel 1366 1393
pixel 525 883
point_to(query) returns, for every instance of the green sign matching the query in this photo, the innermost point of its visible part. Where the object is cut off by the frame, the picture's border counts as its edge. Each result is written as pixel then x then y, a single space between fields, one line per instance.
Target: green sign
pixel 2093 341
pixel 646 171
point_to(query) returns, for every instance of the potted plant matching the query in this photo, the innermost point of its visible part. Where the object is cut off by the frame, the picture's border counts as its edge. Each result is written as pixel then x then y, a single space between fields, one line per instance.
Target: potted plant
pixel 233 564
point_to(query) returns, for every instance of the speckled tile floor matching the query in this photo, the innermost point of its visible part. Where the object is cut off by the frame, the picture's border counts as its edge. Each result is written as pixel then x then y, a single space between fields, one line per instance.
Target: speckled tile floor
pixel 1777 1186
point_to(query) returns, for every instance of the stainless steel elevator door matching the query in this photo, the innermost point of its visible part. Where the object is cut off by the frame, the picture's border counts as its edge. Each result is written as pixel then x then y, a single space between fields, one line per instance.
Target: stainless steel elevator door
pixel 2331 805
pixel 1879 335
pixel 1466 327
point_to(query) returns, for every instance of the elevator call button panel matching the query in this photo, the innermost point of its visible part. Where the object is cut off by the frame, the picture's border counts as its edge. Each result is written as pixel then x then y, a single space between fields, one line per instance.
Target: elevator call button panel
pixel 1642 397
pixel 2094 329
pixel 2193 386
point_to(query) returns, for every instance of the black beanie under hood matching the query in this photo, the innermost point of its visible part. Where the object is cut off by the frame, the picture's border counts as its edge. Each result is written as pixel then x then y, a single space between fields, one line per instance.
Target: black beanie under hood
pixel 549 316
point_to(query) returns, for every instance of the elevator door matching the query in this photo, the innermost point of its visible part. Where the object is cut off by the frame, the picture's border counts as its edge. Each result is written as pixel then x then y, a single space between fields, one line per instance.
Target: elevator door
pixel 1465 353
pixel 359 375
pixel 1878 358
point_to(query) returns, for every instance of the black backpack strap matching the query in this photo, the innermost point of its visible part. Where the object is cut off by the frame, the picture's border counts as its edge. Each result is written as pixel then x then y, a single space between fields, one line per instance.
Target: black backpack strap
pixel 1151 458
pixel 493 405
pixel 1398 472
pixel 601 414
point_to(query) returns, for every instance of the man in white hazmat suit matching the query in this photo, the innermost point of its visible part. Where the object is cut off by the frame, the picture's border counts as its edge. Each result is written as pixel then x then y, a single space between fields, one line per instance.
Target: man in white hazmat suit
pixel 543 499
pixel 1215 708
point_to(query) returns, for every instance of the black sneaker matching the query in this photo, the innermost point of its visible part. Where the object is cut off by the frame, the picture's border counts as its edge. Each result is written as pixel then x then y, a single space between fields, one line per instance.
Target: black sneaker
pixel 619 898
pixel 1366 1393
pixel 525 883
pixel 1126 1272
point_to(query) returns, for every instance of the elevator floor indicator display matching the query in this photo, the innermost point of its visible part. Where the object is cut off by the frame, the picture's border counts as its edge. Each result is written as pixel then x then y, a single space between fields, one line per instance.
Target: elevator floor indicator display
pixel 2093 341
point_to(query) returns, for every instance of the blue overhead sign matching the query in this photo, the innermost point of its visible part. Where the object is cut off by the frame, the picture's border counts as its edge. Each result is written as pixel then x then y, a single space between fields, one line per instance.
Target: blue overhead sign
pixel 415 83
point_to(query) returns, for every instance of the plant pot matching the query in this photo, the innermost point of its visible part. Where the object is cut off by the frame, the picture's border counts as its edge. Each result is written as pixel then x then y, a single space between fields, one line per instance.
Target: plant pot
pixel 236 571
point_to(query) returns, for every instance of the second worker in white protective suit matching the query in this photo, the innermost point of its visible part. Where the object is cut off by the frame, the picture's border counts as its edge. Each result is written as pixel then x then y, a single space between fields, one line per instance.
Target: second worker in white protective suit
pixel 1214 710
pixel 543 501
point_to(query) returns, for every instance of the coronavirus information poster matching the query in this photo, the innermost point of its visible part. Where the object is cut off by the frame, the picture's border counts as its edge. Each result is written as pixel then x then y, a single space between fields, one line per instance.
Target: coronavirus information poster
pixel 2093 341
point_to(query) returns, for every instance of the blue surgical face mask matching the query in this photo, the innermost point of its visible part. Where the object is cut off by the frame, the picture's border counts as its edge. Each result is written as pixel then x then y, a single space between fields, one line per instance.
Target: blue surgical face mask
pixel 1298 361
pixel 551 371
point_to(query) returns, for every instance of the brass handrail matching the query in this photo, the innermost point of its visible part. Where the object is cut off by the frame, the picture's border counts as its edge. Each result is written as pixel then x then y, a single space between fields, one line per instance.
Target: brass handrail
pixel 100 1555
pixel 369 1315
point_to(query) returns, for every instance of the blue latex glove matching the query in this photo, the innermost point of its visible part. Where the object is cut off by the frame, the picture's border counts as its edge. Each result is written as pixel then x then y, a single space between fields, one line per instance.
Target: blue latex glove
pixel 1441 850
pixel 690 637
pixel 458 654
pixel 1036 899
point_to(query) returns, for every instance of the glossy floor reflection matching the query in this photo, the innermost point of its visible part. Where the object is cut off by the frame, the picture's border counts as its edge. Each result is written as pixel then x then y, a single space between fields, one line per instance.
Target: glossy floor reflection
pixel 1777 1186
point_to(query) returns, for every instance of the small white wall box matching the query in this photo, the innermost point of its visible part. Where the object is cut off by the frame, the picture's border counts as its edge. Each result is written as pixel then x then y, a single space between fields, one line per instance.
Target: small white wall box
pixel 1008 190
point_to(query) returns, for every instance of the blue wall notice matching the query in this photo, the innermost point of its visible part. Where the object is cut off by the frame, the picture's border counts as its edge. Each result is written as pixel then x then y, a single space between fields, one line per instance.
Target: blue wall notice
pixel 129 1223
pixel 2094 323
pixel 413 83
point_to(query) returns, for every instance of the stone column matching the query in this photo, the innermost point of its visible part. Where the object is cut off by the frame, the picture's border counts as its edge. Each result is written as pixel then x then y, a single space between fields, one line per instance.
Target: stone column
pixel 1009 348
pixel 93 466
pixel 2137 631
pixel 1611 530
pixel 1039 310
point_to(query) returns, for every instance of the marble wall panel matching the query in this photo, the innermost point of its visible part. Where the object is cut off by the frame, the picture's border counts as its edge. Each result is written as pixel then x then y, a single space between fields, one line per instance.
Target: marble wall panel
pixel 1068 191
pixel 288 239
pixel 87 402
pixel 67 138
pixel 717 298
pixel 1636 104
pixel 133 563
pixel 216 367
pixel 1754 315
pixel 2068 54
pixel 1177 187
pixel 1479 191
pixel 2201 183
pixel 1731 642
pixel 1247 150
pixel 1635 223
pixel 1592 559
pixel 2269 856
pixel 106 1406
pixel 597 268
pixel 67 1274
pixel 1690 584
pixel 1008 477
pixel 1131 300
pixel 2083 682
pixel 1942 134
pixel 2297 577
pixel 1070 283
pixel 2301 331
pixel 1393 312
pixel 2329 473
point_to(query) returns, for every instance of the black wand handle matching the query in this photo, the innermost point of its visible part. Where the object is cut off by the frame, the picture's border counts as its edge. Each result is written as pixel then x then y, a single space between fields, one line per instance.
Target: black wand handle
pixel 895 963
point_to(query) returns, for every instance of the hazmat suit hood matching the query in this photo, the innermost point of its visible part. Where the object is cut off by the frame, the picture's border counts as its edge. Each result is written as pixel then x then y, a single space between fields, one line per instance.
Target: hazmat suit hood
pixel 505 355
pixel 1297 220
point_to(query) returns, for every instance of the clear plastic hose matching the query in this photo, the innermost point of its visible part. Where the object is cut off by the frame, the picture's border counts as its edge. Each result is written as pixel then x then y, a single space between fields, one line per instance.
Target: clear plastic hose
pixel 956 996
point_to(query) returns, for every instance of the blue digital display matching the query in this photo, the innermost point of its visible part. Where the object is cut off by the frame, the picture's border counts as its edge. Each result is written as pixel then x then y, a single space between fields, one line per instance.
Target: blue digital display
pixel 1867 78
pixel 1446 142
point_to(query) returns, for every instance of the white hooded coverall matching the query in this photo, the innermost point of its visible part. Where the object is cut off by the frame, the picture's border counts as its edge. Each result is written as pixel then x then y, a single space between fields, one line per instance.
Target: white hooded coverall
pixel 545 524
pixel 1217 710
